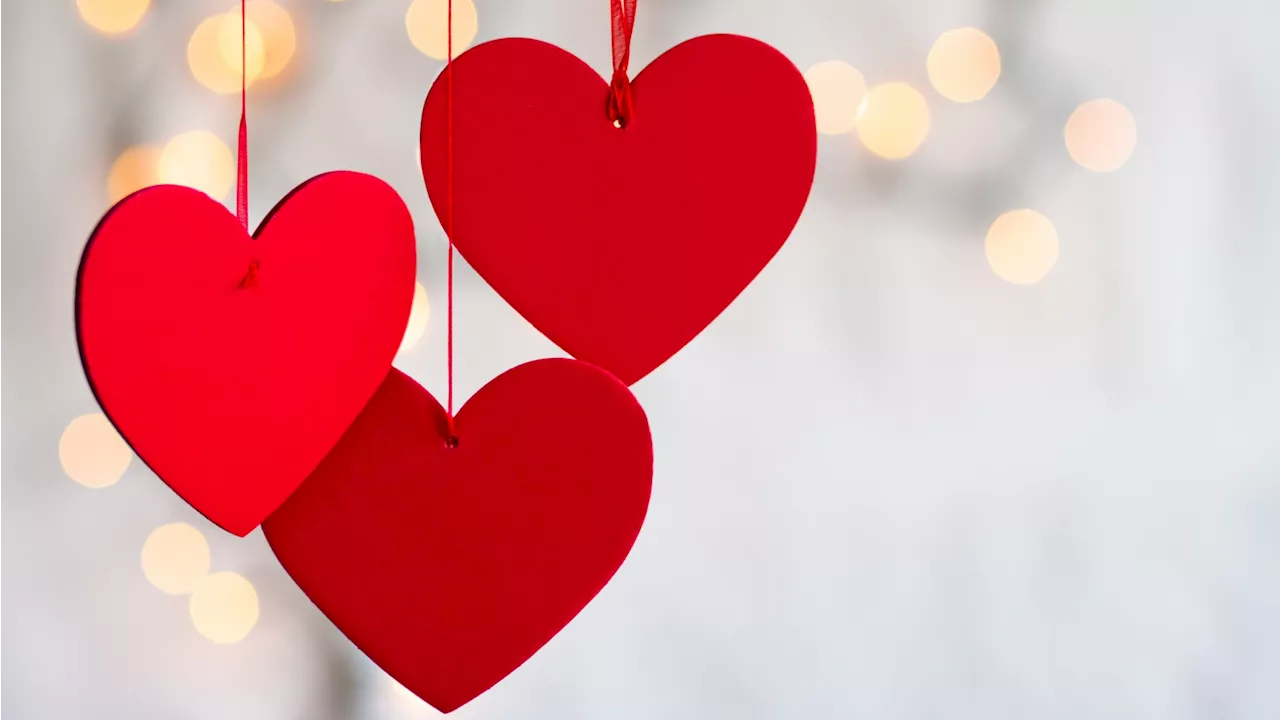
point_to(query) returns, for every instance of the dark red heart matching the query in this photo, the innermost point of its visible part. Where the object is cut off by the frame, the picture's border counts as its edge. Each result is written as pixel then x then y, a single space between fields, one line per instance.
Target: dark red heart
pixel 232 364
pixel 449 567
pixel 621 245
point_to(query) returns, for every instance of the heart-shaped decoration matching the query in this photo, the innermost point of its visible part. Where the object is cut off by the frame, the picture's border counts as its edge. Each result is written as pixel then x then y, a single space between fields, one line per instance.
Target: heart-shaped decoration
pixel 620 244
pixel 230 364
pixel 449 566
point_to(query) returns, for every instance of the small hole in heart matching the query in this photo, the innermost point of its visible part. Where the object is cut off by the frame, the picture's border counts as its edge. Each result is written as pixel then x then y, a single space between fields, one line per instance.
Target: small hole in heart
pixel 617 124
pixel 250 278
pixel 451 442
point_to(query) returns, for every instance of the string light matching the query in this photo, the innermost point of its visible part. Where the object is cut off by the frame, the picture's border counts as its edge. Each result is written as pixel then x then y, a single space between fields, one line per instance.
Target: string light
pixel 964 64
pixel 213 53
pixel 838 91
pixel 198 160
pixel 895 120
pixel 419 313
pixel 112 17
pixel 92 453
pixel 1101 135
pixel 175 558
pixel 427 22
pixel 136 168
pixel 1022 246
pixel 224 607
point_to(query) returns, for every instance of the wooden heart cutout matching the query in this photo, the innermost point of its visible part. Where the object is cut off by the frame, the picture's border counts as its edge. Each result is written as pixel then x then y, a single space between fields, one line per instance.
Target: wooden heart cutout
pixel 451 566
pixel 230 364
pixel 620 244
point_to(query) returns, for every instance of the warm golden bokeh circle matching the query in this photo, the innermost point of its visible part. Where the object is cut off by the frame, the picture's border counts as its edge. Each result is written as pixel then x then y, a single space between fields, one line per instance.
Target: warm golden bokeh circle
pixel 894 121
pixel 136 168
pixel 427 22
pixel 279 38
pixel 199 160
pixel 1101 135
pixel 1022 246
pixel 224 607
pixel 112 17
pixel 255 54
pixel 419 314
pixel 964 64
pixel 838 90
pixel 213 53
pixel 175 558
pixel 92 453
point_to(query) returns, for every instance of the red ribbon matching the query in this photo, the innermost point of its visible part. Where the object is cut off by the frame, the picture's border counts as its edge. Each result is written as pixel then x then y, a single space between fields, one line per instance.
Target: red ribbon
pixel 242 146
pixel 623 18
pixel 452 440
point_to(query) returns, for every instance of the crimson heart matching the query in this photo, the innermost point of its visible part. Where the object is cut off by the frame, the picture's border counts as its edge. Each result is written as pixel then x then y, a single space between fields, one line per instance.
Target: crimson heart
pixel 449 566
pixel 620 244
pixel 232 364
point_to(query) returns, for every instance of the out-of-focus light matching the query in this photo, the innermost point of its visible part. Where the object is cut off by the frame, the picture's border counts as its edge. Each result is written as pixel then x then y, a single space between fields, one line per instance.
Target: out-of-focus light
pixel 419 313
pixel 255 54
pixel 895 120
pixel 275 28
pixel 1022 246
pixel 224 607
pixel 427 22
pixel 964 64
pixel 112 17
pixel 199 160
pixel 92 452
pixel 175 558
pixel 1101 135
pixel 135 169
pixel 401 693
pixel 213 53
pixel 838 90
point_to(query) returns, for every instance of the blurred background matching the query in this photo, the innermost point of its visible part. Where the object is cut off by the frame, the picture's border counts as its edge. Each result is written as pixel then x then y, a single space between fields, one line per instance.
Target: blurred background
pixel 995 436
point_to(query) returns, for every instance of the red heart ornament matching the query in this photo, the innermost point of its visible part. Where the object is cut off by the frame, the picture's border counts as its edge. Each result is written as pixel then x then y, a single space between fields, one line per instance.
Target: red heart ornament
pixel 230 364
pixel 451 566
pixel 620 245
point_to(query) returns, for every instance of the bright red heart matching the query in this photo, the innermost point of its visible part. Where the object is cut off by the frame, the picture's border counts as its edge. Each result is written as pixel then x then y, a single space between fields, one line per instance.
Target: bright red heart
pixel 233 364
pixel 449 567
pixel 621 245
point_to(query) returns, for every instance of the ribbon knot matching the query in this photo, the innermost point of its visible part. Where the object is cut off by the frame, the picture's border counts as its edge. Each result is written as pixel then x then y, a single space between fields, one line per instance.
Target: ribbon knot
pixel 620 98
pixel 622 19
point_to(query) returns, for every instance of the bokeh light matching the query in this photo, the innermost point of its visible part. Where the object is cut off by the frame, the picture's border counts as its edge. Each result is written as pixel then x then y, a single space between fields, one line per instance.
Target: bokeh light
pixel 895 120
pixel 213 53
pixel 255 54
pixel 136 168
pixel 92 452
pixel 112 17
pixel 276 30
pixel 419 313
pixel 1101 135
pixel 224 607
pixel 199 160
pixel 1022 246
pixel 964 64
pixel 401 694
pixel 838 90
pixel 175 558
pixel 427 22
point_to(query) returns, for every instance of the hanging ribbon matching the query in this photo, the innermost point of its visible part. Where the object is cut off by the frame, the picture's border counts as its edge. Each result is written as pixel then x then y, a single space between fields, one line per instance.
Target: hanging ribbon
pixel 242 146
pixel 623 17
pixel 452 440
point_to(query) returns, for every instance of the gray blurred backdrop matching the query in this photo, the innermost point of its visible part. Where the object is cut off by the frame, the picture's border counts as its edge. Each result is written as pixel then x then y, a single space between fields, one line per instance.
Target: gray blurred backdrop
pixel 889 484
